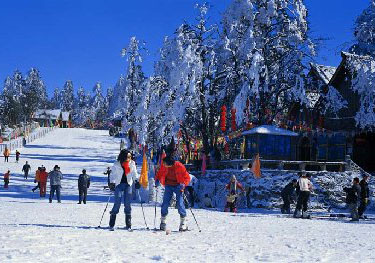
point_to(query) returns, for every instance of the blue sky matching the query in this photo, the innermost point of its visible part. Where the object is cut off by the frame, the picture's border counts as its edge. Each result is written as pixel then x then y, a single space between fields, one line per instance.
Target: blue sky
pixel 81 40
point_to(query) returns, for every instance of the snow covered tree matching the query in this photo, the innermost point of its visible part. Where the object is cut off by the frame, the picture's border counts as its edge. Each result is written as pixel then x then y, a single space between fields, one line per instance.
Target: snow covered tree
pixel 108 100
pixel 11 98
pixel 267 46
pixel 364 32
pixel 97 104
pixel 115 105
pixel 56 101
pixel 35 93
pixel 67 96
pixel 134 83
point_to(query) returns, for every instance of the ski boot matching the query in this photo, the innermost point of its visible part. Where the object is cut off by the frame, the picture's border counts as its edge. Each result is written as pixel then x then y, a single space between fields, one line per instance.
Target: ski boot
pixel 163 225
pixel 128 222
pixel 183 226
pixel 112 221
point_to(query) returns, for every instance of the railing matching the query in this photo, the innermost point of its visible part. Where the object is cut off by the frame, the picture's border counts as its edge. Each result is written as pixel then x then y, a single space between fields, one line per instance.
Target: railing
pixel 20 141
pixel 240 164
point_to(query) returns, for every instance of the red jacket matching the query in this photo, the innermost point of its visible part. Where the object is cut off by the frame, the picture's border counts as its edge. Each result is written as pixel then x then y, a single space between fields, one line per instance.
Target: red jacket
pixel 182 175
pixel 238 186
pixel 43 176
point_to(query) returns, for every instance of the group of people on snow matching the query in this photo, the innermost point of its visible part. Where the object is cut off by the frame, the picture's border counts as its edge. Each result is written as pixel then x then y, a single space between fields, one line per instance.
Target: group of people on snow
pixel 357 196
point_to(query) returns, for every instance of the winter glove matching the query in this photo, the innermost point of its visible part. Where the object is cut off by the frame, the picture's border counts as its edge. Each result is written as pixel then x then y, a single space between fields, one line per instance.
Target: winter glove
pixel 137 185
pixel 112 186
pixel 157 183
pixel 182 187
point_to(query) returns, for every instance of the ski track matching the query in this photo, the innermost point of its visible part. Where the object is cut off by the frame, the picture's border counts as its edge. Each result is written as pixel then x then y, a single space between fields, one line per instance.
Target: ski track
pixel 32 230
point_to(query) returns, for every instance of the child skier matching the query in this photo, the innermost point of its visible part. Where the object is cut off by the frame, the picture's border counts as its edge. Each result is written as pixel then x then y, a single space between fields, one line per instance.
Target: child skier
pixel 173 175
pixel 37 179
pixel 232 187
pixel 6 179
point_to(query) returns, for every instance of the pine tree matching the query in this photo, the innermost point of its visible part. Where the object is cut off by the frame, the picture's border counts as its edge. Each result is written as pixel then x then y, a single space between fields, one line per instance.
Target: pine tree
pixel 56 101
pixel 67 95
pixel 98 104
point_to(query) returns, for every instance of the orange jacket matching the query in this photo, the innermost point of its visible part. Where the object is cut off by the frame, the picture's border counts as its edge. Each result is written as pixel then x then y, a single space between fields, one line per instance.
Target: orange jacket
pixel 37 176
pixel 6 152
pixel 182 175
pixel 43 176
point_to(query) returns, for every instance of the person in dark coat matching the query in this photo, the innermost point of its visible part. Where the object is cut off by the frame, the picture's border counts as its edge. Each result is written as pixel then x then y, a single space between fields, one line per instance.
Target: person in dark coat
pixel 83 185
pixel 353 195
pixel 287 195
pixel 365 194
pixel 25 169
pixel 17 156
pixel 55 177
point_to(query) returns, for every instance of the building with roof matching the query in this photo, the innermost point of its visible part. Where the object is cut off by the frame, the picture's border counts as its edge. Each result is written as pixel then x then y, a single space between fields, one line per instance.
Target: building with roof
pixel 55 117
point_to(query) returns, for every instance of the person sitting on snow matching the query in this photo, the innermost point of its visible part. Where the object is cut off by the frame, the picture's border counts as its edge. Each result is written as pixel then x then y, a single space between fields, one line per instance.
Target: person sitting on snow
pixel 173 175
pixel 232 187
pixel 207 202
pixel 305 186
pixel 287 195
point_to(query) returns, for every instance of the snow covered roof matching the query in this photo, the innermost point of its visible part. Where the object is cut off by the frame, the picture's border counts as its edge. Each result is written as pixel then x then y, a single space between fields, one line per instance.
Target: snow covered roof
pixel 324 72
pixel 65 115
pixel 271 130
pixel 47 114
pixel 312 99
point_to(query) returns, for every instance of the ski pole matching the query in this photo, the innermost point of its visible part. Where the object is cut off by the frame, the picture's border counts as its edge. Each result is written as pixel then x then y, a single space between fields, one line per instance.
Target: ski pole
pixel 156 199
pixel 143 212
pixel 191 210
pixel 105 209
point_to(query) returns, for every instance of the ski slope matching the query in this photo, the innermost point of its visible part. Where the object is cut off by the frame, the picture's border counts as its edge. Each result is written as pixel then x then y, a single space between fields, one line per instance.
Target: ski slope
pixel 33 230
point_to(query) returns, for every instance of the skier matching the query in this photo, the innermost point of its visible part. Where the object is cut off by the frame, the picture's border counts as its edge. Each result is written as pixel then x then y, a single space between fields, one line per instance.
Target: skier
pixel 173 175
pixel 232 187
pixel 108 173
pixel 37 179
pixel 6 179
pixel 55 177
pixel 25 169
pixel 365 194
pixel 6 154
pixel 124 172
pixel 353 195
pixel 304 187
pixel 43 175
pixel 287 195
pixel 83 185
pixel 17 156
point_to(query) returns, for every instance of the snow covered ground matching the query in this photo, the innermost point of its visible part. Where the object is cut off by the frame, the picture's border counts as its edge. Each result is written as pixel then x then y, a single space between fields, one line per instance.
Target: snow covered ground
pixel 32 230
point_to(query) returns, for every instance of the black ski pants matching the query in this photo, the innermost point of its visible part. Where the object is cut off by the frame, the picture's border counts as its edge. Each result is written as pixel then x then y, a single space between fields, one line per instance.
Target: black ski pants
pixel 286 205
pixel 82 191
pixel 362 207
pixel 303 199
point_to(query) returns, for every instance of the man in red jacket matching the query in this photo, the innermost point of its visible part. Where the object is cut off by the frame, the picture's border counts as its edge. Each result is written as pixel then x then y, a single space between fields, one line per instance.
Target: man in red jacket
pixel 173 175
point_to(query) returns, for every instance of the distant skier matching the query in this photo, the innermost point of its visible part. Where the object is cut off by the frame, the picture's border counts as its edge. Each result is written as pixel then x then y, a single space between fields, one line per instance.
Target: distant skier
pixel 6 154
pixel 365 194
pixel 108 173
pixel 43 175
pixel 287 195
pixel 173 175
pixel 124 172
pixel 17 156
pixel 55 177
pixel 6 179
pixel 83 185
pixel 233 186
pixel 37 179
pixel 353 195
pixel 25 169
pixel 305 187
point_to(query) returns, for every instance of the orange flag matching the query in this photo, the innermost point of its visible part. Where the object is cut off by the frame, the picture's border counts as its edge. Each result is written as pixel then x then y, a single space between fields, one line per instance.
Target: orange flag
pixel 255 168
pixel 143 179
